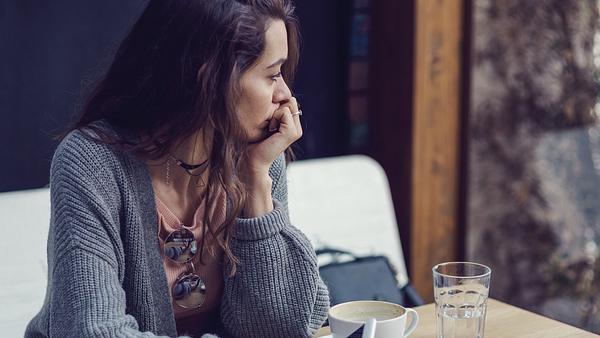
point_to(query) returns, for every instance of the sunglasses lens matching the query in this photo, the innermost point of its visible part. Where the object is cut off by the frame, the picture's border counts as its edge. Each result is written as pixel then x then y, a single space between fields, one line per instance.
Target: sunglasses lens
pixel 189 291
pixel 180 246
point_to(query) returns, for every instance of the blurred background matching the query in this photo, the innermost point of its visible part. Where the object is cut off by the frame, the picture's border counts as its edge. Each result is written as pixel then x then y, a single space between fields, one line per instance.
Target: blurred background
pixel 483 113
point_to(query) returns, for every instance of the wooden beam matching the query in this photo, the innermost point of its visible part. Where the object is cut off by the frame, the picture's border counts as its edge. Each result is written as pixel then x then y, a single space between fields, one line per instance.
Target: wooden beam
pixel 436 138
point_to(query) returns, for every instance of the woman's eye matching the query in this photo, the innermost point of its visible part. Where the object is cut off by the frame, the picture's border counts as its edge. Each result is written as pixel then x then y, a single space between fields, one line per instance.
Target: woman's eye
pixel 274 77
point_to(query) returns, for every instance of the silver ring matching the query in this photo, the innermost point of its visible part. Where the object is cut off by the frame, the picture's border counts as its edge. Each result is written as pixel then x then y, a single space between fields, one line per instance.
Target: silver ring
pixel 299 113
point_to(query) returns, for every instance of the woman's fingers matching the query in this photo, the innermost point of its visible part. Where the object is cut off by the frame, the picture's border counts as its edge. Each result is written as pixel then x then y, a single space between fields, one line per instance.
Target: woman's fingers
pixel 273 125
pixel 296 117
pixel 294 107
pixel 283 115
pixel 285 128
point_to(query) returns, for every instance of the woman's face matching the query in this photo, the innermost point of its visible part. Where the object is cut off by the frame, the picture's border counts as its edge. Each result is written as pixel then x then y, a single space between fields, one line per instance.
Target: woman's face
pixel 262 87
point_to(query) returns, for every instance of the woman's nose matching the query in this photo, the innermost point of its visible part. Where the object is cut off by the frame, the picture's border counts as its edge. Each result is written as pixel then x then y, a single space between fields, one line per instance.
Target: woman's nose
pixel 282 91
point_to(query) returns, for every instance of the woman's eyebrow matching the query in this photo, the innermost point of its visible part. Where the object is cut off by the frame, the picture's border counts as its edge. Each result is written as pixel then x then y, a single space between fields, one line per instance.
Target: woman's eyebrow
pixel 278 62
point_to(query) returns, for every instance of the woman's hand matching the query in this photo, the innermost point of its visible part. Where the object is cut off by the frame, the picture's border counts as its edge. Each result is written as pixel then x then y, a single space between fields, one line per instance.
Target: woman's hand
pixel 286 129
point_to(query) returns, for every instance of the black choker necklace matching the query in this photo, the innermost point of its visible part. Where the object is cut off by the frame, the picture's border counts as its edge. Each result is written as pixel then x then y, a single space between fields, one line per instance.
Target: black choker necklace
pixel 190 168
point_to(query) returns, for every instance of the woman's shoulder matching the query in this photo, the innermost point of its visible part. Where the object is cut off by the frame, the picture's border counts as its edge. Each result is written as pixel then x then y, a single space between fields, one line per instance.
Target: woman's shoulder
pixel 83 150
pixel 89 136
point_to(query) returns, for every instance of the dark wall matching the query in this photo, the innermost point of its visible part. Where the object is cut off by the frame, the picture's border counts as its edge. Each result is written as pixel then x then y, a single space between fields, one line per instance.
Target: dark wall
pixel 51 50
pixel 321 85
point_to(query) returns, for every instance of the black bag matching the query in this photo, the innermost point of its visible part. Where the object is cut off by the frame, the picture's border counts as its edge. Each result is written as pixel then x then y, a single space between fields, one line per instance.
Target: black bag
pixel 364 278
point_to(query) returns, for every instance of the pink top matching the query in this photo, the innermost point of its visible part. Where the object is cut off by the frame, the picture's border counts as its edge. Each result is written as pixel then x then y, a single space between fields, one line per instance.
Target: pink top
pixel 203 318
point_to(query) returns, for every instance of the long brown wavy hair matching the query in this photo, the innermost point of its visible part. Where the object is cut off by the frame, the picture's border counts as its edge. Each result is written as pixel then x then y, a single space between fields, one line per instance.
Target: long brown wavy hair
pixel 178 71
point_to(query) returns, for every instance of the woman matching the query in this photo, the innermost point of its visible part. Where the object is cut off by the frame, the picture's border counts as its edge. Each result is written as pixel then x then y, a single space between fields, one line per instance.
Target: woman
pixel 169 201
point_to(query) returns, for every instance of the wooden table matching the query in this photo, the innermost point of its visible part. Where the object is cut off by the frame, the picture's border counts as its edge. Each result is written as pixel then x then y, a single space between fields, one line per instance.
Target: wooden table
pixel 502 321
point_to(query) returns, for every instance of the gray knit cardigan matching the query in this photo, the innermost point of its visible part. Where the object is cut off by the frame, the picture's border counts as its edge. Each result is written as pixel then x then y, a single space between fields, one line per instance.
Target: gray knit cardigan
pixel 105 271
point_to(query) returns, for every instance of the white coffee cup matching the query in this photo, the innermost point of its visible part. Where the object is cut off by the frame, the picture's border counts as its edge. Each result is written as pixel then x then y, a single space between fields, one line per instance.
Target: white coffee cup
pixel 348 319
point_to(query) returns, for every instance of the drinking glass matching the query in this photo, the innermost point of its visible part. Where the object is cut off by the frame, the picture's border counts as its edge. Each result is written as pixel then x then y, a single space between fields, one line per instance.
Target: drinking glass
pixel 461 291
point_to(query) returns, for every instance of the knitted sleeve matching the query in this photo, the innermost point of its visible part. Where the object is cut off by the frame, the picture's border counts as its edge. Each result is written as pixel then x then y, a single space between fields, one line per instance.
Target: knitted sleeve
pixel 277 290
pixel 84 297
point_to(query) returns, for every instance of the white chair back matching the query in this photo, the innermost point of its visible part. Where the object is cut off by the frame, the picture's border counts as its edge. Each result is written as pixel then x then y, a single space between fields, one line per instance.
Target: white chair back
pixel 25 219
pixel 345 203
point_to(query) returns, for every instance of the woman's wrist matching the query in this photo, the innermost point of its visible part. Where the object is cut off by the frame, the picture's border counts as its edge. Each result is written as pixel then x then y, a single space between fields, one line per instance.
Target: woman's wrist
pixel 259 201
